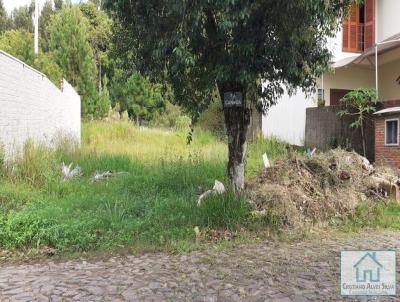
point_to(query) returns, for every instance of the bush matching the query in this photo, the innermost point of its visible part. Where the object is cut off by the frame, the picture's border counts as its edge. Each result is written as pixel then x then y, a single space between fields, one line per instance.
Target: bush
pixel 168 118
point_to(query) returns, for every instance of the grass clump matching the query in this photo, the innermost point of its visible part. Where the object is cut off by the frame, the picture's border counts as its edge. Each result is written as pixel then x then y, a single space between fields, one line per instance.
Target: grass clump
pixel 273 147
pixel 33 166
pixel 375 216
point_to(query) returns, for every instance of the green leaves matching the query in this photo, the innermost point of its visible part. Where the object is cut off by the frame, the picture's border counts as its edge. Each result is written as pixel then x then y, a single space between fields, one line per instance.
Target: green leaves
pixel 195 45
pixel 359 102
pixel 138 96
pixel 73 53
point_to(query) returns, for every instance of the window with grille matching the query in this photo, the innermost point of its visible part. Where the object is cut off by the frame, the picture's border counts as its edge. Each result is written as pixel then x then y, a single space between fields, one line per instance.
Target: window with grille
pixel 359 27
pixel 392 132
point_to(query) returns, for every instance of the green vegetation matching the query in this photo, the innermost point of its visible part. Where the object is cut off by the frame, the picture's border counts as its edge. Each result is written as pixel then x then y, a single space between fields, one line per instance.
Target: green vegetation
pixel 198 48
pixel 360 104
pixel 377 216
pixel 154 206
pixel 73 53
pixel 137 96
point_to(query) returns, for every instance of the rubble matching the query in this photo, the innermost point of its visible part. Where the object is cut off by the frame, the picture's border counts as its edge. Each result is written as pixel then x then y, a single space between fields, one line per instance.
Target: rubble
pixel 70 173
pixel 313 190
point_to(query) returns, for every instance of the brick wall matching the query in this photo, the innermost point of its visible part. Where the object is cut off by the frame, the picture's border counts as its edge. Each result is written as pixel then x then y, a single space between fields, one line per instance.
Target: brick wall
pixel 325 130
pixel 32 107
pixel 385 155
pixel 391 103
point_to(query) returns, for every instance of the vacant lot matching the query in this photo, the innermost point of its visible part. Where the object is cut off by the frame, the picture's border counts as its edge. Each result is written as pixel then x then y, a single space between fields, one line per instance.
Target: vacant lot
pixel 150 207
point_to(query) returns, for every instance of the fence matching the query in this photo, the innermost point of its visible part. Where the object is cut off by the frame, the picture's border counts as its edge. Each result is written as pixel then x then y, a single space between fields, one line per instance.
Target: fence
pixel 32 107
pixel 324 130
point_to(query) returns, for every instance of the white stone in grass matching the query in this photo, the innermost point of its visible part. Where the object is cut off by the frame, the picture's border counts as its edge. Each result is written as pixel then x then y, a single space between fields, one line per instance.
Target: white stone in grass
pixel 218 188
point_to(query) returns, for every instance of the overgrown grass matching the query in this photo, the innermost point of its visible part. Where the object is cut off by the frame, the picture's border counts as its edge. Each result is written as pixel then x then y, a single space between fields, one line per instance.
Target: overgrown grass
pixel 152 206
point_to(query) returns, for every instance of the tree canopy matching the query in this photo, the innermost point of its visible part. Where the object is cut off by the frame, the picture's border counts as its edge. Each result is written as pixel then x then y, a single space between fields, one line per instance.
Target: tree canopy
pixel 138 96
pixel 72 52
pixel 4 21
pixel 199 44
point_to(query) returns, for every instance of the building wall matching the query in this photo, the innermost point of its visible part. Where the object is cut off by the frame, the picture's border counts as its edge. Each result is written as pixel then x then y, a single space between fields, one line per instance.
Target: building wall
pixel 348 78
pixel 343 78
pixel 32 107
pixel 287 119
pixel 388 22
pixel 385 155
pixel 389 88
pixel 325 130
pixel 335 45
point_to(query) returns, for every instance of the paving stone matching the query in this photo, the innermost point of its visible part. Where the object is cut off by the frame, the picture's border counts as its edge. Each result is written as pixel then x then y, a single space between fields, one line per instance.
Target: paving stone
pixel 271 271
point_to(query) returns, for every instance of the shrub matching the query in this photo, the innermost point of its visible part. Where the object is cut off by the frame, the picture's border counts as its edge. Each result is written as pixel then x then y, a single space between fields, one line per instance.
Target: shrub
pixel 168 118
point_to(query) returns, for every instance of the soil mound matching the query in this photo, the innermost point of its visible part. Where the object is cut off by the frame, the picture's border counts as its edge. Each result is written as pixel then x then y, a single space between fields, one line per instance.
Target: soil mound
pixel 329 185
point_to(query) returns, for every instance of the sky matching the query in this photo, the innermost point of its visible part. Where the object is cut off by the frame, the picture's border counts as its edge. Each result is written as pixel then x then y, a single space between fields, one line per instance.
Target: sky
pixel 11 4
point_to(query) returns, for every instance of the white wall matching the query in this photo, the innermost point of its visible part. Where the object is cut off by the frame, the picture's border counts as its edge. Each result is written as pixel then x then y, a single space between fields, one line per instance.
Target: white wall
pixel 389 88
pixel 287 119
pixel 388 21
pixel 32 107
pixel 348 78
pixel 335 45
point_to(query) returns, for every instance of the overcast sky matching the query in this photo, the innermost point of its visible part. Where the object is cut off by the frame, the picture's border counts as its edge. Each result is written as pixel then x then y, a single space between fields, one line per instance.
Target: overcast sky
pixel 11 4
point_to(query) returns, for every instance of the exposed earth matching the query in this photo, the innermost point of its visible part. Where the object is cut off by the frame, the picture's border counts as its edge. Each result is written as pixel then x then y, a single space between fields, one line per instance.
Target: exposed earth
pixel 270 271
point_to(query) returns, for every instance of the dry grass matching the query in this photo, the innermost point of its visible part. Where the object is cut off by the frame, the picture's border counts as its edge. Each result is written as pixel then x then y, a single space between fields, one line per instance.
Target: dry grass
pixel 150 144
pixel 299 192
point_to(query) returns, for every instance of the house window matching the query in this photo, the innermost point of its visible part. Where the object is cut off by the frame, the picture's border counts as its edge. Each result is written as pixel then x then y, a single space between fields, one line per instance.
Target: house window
pixel 321 94
pixel 359 28
pixel 392 132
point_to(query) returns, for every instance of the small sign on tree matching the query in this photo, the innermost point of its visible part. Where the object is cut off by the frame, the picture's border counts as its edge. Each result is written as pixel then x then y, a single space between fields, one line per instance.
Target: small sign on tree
pixel 233 99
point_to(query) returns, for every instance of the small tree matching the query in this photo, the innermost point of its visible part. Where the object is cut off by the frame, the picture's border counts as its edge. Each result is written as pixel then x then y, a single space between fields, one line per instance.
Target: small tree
pixel 359 103
pixel 237 46
pixel 72 52
pixel 138 96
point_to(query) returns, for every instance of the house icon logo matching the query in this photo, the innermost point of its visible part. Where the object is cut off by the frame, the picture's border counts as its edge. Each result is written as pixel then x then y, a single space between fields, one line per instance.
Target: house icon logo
pixel 368 272
pixel 368 268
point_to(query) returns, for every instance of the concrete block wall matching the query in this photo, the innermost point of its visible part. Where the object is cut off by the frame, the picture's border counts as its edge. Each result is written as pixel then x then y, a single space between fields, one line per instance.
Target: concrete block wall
pixel 32 107
pixel 325 129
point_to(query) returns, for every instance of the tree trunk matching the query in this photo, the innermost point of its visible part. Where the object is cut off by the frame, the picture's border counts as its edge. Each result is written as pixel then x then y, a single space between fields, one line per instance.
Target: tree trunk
pixel 237 120
pixel 363 139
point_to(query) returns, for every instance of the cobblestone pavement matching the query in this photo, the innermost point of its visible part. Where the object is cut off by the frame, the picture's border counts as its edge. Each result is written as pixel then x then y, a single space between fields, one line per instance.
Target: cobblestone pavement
pixel 271 271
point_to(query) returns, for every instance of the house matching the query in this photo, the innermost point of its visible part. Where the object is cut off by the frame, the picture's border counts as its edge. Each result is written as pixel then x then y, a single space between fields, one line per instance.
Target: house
pixel 368 268
pixel 370 34
pixel 387 147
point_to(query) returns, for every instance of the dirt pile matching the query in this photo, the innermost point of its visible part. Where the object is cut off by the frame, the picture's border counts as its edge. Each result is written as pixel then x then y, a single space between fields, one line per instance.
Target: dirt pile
pixel 329 185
